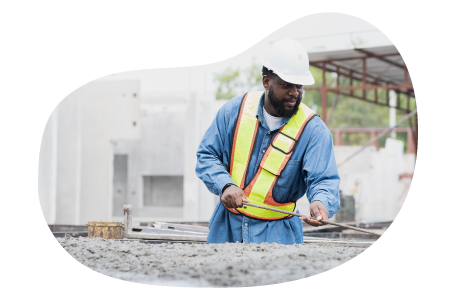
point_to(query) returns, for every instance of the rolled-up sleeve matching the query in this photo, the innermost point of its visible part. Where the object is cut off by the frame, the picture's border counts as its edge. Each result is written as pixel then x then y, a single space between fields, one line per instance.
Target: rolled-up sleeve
pixel 320 170
pixel 210 167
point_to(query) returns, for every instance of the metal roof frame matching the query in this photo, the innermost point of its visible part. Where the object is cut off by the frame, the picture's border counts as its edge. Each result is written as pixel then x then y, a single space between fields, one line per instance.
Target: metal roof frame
pixel 374 68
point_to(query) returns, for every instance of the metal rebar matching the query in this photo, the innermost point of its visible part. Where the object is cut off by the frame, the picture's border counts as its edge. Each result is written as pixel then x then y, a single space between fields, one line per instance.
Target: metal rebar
pixel 322 221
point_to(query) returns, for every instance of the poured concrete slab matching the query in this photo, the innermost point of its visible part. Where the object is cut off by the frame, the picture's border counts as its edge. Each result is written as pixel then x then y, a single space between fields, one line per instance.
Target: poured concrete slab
pixel 224 265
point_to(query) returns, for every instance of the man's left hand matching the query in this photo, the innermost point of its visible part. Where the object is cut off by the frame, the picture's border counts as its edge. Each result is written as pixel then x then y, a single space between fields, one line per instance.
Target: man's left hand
pixel 319 212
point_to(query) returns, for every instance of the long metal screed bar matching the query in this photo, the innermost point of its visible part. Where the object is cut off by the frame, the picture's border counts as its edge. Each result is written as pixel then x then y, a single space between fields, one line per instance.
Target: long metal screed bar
pixel 323 221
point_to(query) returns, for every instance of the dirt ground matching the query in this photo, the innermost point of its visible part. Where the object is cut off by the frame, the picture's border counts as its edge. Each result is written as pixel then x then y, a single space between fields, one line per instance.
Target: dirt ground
pixel 204 265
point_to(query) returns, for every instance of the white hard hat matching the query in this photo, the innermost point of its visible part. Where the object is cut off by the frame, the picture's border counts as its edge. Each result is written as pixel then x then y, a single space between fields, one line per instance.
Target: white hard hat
pixel 289 60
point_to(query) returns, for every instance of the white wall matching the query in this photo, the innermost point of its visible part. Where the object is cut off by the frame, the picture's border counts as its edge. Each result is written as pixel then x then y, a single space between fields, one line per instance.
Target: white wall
pixel 372 177
pixel 47 170
pixel 172 127
pixel 88 119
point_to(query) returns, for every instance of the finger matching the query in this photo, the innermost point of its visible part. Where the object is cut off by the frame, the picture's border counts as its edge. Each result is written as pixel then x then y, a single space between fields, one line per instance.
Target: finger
pixel 316 213
pixel 310 221
pixel 244 198
pixel 229 201
pixel 238 201
pixel 318 221
pixel 323 212
pixel 223 199
pixel 233 202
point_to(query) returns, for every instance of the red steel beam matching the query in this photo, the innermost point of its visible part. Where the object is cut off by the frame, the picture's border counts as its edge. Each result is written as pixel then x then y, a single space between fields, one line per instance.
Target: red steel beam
pixel 376 96
pixel 405 75
pixel 367 100
pixel 430 67
pixel 355 57
pixel 338 76
pixel 351 81
pixel 367 87
pixel 408 102
pixel 380 58
pixel 364 77
pixel 367 129
pixel 353 71
pixel 385 70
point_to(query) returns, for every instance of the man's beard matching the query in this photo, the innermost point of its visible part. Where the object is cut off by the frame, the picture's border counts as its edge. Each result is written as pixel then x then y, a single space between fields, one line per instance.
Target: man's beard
pixel 279 106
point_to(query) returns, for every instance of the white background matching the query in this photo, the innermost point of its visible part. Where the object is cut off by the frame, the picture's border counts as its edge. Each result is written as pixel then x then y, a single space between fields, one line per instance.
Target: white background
pixel 181 51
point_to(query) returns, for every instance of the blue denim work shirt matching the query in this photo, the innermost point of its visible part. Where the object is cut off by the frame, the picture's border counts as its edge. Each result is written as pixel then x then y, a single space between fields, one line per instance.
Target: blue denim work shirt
pixel 311 169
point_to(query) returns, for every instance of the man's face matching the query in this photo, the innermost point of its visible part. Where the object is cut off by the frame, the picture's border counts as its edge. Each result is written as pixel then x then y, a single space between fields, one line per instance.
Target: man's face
pixel 284 98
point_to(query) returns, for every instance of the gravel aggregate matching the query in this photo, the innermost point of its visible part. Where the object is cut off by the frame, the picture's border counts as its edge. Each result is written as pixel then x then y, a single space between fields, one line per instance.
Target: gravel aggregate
pixel 206 265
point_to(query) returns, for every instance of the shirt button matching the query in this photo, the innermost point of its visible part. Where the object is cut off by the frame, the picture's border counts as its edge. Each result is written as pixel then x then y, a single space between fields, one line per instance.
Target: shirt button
pixel 246 224
pixel 264 151
pixel 268 132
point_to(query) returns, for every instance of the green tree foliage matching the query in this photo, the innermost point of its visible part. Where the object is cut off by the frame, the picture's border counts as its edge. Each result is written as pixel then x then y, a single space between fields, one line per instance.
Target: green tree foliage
pixel 352 112
pixel 348 111
pixel 228 82
pixel 233 81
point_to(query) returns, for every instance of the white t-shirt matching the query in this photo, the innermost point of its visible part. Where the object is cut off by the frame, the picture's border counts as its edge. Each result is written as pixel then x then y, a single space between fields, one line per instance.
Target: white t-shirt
pixel 273 122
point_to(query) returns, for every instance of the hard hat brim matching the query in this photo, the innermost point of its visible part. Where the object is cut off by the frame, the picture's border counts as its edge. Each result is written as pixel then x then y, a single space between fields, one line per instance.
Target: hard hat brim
pixel 302 80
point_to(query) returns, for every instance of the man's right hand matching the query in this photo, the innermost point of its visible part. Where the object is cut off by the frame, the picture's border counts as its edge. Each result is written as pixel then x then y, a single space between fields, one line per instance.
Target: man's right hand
pixel 233 197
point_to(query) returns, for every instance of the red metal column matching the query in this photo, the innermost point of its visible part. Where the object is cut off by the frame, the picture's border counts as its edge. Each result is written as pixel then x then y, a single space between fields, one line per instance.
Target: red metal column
pixel 376 94
pixel 351 81
pixel 410 141
pixel 338 77
pixel 364 77
pixel 387 93
pixel 373 137
pixel 324 99
pixel 337 138
pixel 405 76
pixel 408 103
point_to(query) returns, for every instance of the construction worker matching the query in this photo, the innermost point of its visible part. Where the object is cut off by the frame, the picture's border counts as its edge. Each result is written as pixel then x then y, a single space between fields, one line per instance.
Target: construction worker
pixel 270 149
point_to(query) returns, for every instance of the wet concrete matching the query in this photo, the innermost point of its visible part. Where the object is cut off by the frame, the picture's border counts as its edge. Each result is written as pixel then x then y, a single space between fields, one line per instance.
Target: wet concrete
pixel 221 265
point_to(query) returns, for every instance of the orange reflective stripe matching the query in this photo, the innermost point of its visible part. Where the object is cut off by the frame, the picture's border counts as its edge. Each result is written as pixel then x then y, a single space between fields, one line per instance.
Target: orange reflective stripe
pixel 244 137
pixel 259 190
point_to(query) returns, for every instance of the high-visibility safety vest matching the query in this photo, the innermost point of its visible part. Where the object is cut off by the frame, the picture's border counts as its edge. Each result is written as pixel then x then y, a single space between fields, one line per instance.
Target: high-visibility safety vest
pixel 259 189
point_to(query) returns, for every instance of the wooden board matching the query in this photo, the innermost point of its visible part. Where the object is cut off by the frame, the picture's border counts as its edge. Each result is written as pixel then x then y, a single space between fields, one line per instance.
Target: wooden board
pixel 106 230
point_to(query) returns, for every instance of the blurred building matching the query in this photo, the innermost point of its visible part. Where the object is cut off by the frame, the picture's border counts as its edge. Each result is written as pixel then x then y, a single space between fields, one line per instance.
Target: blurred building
pixel 105 145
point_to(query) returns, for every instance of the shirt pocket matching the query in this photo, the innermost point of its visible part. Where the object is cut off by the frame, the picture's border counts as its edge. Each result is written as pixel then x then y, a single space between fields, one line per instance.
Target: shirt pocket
pixel 288 175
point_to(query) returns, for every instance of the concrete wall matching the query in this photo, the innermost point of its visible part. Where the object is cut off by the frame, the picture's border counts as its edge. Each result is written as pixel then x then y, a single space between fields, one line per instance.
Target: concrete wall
pixel 172 125
pixel 88 120
pixel 47 170
pixel 372 177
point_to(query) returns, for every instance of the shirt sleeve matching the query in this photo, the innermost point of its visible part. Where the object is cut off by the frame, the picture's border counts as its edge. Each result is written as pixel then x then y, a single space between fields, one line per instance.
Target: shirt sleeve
pixel 320 170
pixel 210 167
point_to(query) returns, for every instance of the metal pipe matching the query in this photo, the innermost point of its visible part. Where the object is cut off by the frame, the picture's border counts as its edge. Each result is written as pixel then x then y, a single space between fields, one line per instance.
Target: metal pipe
pixel 127 219
pixel 130 234
pixel 322 221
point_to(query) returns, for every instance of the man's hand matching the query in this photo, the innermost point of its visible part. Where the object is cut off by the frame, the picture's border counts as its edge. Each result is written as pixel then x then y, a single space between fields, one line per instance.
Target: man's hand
pixel 233 197
pixel 319 212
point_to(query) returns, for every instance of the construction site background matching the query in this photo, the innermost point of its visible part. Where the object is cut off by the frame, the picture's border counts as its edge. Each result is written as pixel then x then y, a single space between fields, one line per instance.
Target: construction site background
pixel 107 144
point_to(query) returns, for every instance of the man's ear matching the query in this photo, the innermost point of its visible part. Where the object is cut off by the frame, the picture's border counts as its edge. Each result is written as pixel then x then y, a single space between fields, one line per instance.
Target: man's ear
pixel 266 82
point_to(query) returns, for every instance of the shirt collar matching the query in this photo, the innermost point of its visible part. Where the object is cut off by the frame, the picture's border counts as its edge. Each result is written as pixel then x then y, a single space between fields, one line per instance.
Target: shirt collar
pixel 260 116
